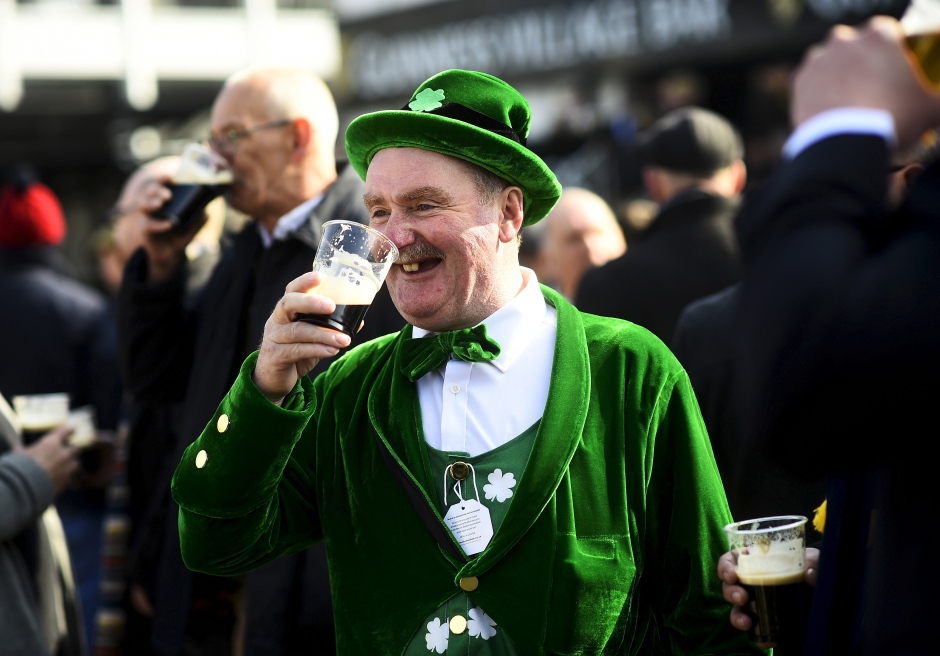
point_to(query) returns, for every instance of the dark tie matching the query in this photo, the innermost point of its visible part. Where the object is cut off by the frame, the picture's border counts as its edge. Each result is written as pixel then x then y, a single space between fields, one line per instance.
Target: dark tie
pixel 424 354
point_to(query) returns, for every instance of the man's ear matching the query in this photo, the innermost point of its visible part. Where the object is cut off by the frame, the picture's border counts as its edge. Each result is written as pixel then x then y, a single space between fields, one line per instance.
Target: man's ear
pixel 653 183
pixel 302 136
pixel 740 176
pixel 510 204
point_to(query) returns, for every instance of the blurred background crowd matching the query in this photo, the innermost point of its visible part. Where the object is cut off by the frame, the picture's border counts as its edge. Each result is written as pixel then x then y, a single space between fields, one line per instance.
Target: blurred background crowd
pixel 90 90
pixel 657 116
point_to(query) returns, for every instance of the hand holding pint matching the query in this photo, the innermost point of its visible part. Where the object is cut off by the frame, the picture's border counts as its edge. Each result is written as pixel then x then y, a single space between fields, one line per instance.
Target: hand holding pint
pixel 769 555
pixel 321 310
pixel 870 67
pixel 203 176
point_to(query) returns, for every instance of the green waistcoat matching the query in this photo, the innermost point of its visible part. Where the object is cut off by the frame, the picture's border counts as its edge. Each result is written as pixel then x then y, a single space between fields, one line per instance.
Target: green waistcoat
pixel 610 547
pixel 495 471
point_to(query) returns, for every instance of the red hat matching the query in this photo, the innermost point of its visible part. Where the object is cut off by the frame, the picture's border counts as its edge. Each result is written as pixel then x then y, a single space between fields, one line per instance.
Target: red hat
pixel 30 215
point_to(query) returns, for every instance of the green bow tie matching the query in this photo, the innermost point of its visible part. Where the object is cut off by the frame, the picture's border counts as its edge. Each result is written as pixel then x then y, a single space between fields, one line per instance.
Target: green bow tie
pixel 424 354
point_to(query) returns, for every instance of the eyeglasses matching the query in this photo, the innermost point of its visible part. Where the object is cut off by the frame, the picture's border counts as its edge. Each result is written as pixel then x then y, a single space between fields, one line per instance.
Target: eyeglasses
pixel 227 142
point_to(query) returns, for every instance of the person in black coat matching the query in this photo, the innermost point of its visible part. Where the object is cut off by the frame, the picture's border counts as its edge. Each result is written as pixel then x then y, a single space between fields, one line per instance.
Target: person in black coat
pixel 277 130
pixel 692 167
pixel 704 342
pixel 837 339
pixel 756 486
pixel 54 335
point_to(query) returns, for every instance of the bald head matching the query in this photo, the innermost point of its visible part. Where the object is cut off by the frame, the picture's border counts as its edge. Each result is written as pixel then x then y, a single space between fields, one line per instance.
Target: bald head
pixel 282 153
pixel 291 93
pixel 581 232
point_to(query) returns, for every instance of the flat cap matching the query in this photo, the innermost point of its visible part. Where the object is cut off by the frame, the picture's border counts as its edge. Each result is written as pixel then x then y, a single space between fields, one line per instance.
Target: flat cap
pixel 690 140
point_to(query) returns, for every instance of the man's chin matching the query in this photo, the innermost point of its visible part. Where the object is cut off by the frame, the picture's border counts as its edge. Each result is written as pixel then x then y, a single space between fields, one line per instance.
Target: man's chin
pixel 237 198
pixel 416 317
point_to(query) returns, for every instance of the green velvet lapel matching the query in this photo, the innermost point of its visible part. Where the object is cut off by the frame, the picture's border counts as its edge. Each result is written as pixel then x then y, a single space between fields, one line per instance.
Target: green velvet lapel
pixel 556 441
pixel 397 421
pixel 396 417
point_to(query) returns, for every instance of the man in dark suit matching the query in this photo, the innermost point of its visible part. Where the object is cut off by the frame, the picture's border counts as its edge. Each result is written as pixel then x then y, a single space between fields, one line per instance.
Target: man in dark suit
pixel 277 129
pixel 692 168
pixel 837 343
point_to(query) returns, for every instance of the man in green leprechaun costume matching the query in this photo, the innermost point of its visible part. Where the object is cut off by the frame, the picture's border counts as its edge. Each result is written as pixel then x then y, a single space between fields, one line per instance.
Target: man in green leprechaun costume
pixel 506 475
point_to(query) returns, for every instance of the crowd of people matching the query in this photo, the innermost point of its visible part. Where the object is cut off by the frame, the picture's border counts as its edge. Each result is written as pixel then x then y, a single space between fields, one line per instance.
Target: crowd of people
pixel 260 485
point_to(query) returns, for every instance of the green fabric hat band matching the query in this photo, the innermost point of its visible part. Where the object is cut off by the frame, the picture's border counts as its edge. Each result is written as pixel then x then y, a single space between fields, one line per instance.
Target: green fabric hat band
pixel 463 113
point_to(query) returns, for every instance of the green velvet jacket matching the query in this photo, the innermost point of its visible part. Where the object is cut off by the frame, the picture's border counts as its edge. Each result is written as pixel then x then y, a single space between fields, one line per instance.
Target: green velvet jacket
pixel 609 546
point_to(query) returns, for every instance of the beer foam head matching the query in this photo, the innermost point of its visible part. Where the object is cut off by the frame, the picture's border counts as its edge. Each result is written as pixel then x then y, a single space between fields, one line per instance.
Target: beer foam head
pixel 199 165
pixel 41 411
pixel 348 280
pixel 779 559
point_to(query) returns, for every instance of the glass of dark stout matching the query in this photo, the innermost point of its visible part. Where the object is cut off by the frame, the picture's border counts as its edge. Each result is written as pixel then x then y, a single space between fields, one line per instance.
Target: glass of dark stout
pixel 352 260
pixel 770 553
pixel 202 177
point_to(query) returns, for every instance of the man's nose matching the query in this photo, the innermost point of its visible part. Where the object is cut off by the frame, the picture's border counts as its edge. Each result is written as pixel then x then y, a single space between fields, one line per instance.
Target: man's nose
pixel 399 229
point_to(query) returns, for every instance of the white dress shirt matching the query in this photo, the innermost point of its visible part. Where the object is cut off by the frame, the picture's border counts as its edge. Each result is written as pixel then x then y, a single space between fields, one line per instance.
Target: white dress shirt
pixel 473 407
pixel 844 120
pixel 288 223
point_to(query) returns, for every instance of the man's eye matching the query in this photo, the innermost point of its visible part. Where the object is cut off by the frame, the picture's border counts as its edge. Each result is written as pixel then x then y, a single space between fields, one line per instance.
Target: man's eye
pixel 424 207
pixel 378 214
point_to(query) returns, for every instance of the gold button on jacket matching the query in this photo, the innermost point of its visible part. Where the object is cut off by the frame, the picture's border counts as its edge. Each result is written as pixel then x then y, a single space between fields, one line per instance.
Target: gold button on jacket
pixel 469 583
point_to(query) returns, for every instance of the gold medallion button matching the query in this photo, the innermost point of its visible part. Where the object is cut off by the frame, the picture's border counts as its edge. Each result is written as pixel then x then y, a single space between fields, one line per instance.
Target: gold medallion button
pixel 201 458
pixel 222 423
pixel 458 624
pixel 459 471
pixel 469 583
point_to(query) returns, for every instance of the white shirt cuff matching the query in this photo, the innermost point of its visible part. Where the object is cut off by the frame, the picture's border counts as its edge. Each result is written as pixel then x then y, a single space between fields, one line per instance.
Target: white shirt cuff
pixel 845 120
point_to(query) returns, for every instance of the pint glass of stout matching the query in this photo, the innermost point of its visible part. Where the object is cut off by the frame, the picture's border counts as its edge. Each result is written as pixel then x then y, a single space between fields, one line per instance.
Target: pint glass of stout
pixel 770 555
pixel 202 177
pixel 352 260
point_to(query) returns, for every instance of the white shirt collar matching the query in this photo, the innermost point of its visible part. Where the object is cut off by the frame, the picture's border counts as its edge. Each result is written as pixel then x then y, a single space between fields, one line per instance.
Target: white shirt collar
pixel 290 222
pixel 510 324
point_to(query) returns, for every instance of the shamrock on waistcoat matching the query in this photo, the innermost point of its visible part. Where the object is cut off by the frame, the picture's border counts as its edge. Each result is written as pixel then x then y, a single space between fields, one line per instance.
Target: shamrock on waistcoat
pixel 500 485
pixel 437 636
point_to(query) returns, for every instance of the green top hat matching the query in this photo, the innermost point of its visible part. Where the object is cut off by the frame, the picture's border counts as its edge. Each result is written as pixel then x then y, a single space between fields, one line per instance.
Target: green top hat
pixel 469 115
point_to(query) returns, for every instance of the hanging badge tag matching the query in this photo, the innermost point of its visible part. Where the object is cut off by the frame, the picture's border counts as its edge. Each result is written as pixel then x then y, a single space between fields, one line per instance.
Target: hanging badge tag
pixel 471 525
pixel 469 520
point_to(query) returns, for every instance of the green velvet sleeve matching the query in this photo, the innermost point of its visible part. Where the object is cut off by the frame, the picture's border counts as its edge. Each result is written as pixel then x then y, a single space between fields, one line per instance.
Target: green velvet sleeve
pixel 244 496
pixel 686 500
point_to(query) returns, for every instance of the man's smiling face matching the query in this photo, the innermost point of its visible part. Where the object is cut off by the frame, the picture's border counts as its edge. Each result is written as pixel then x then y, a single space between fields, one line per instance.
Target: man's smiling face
pixel 448 274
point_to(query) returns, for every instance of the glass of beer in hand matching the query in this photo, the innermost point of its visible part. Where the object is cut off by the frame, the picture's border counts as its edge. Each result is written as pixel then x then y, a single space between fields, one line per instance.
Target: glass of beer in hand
pixel 202 177
pixel 40 413
pixel 352 260
pixel 770 553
